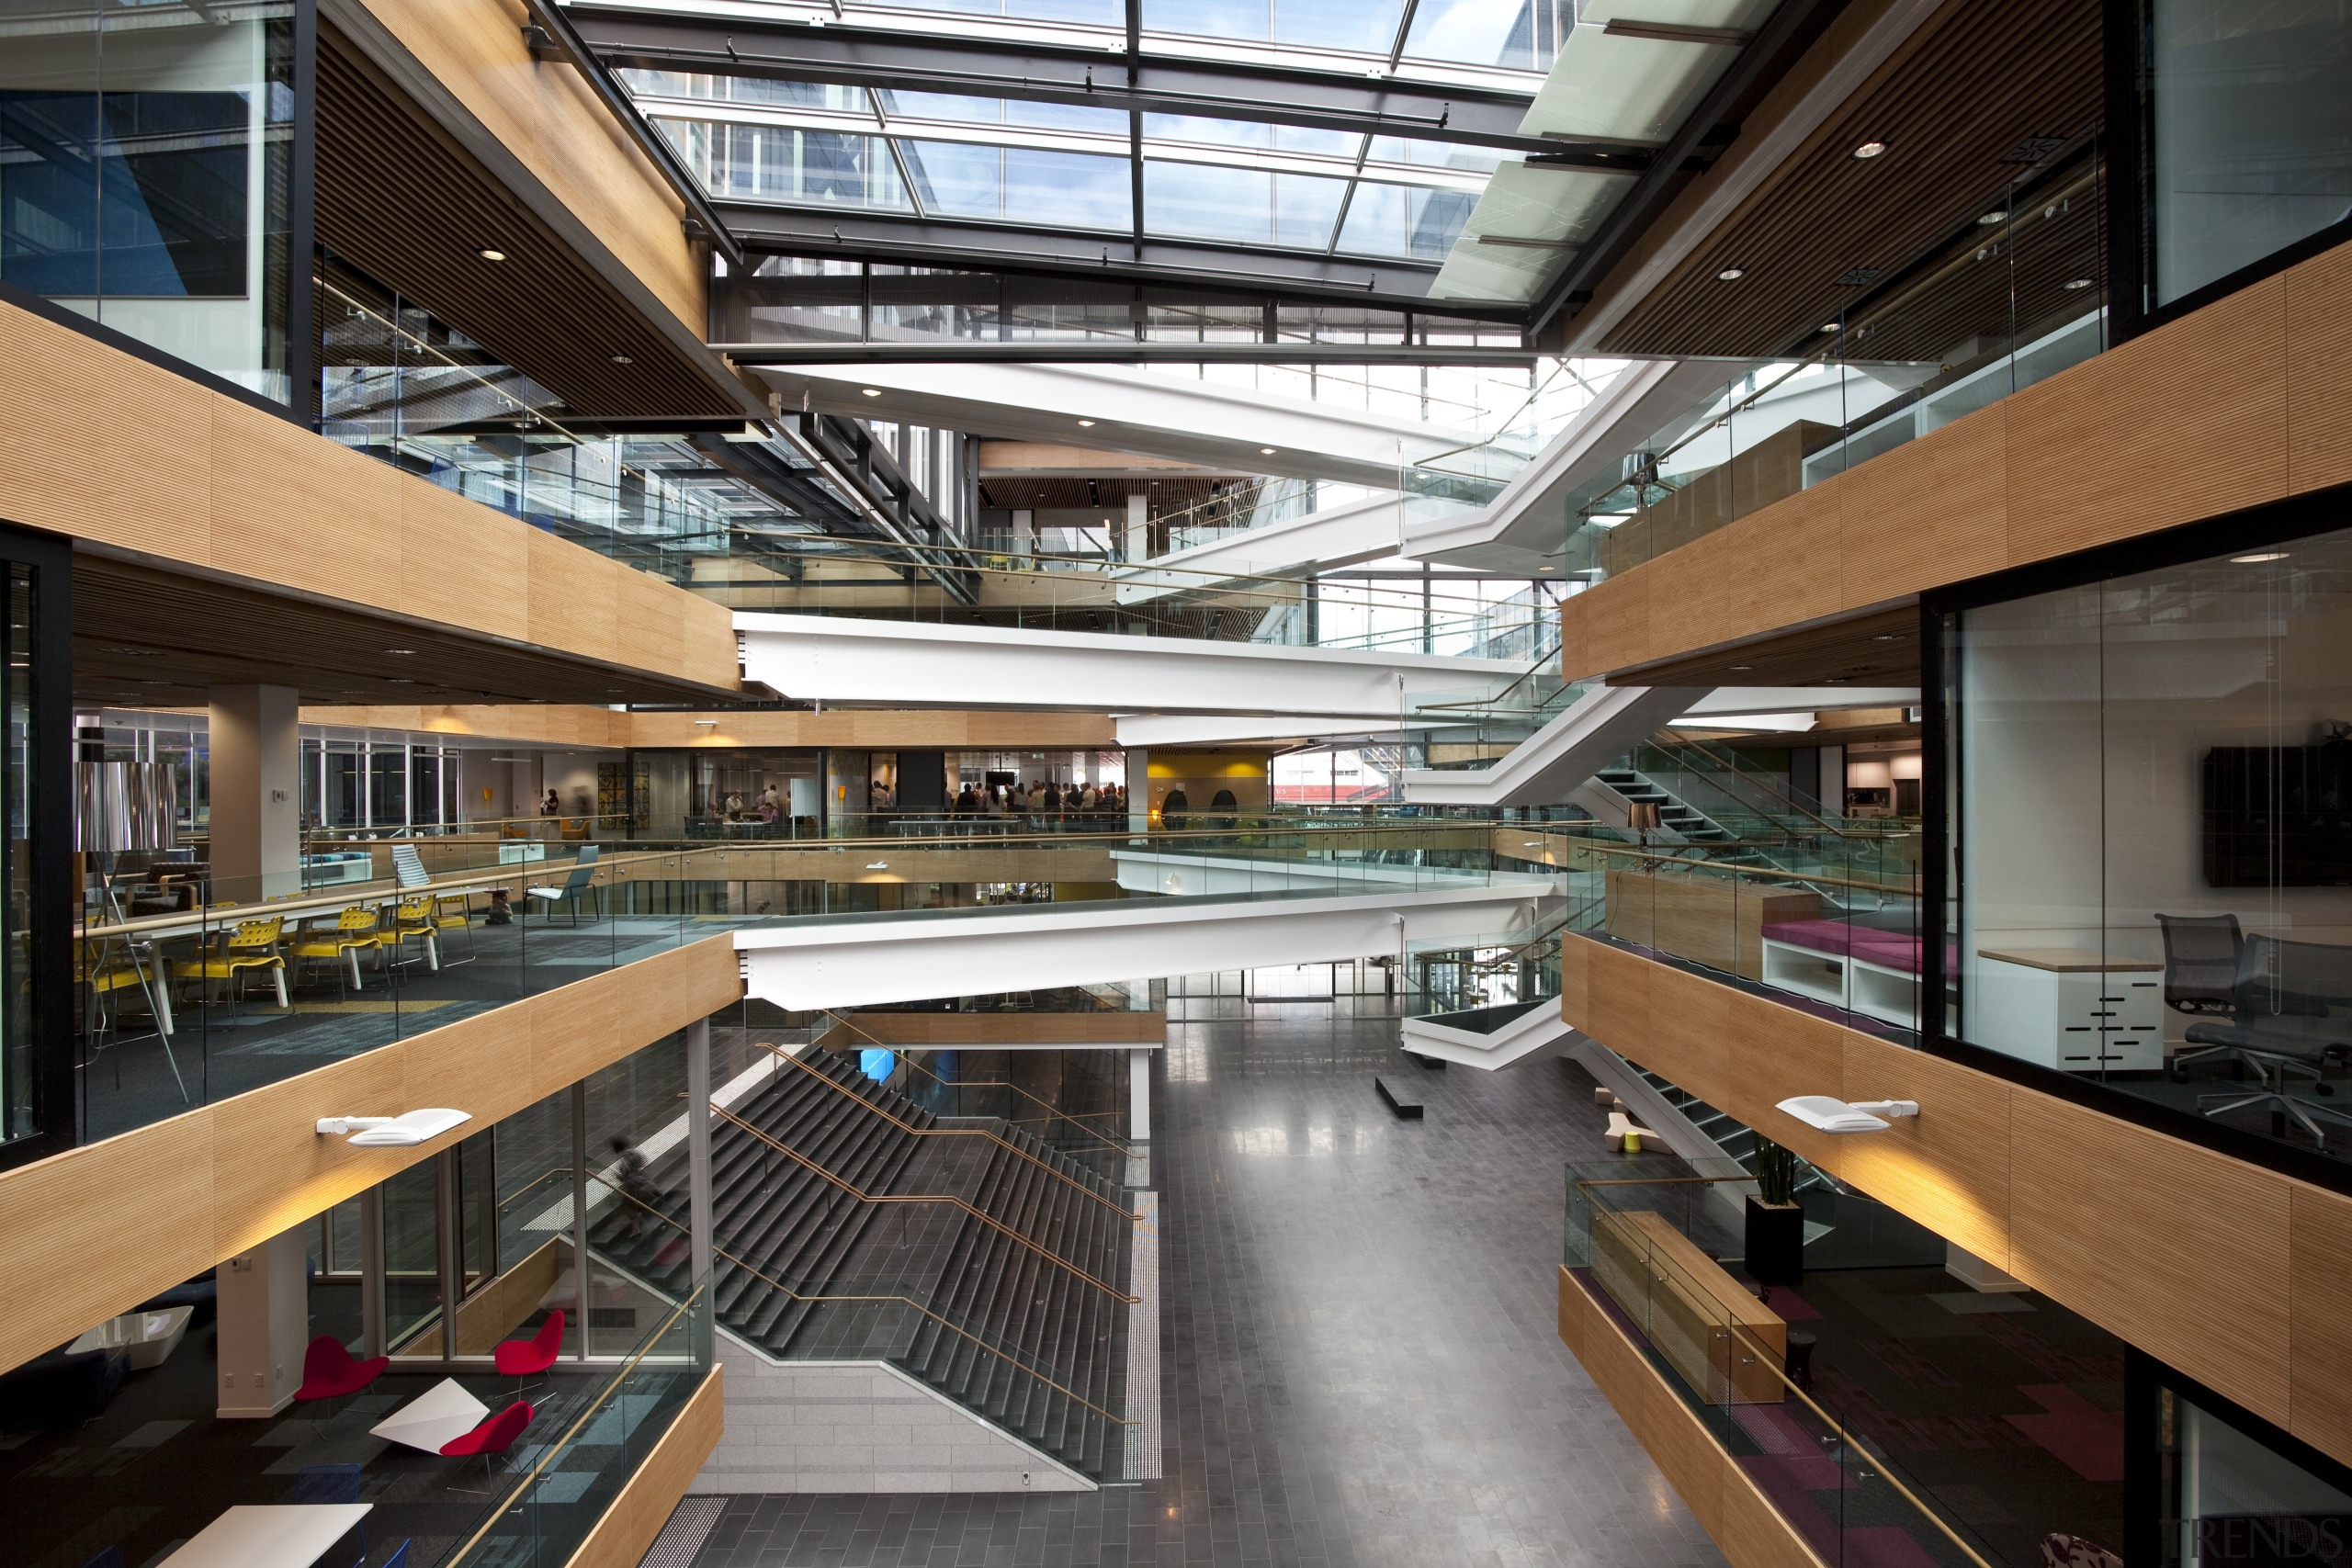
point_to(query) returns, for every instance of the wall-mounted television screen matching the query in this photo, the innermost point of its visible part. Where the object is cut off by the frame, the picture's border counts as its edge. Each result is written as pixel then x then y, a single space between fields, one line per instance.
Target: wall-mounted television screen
pixel 2278 816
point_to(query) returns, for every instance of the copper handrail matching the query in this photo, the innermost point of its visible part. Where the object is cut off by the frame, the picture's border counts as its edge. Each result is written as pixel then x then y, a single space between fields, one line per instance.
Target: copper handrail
pixel 864 1197
pixel 849 1023
pixel 766 1277
pixel 907 1127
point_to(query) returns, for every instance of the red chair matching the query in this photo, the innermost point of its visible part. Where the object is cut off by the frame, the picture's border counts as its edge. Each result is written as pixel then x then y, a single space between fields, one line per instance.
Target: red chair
pixel 329 1372
pixel 527 1358
pixel 494 1436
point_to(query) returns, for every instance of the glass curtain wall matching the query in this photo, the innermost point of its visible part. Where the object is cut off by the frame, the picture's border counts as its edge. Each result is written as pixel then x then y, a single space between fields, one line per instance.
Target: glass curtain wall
pixel 146 155
pixel 2150 831
pixel 2247 132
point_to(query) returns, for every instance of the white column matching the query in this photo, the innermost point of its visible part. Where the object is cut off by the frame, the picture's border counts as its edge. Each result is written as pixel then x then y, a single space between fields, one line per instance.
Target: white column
pixel 1139 1094
pixel 1138 790
pixel 698 1190
pixel 1138 528
pixel 1976 1273
pixel 265 1323
pixel 256 787
pixel 1024 534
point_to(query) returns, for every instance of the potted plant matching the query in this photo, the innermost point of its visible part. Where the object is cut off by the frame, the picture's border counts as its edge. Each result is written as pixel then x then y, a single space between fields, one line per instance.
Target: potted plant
pixel 1775 1222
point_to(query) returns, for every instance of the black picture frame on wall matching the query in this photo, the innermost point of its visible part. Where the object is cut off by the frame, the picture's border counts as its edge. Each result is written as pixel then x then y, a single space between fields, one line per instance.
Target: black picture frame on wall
pixel 2256 527
pixel 50 920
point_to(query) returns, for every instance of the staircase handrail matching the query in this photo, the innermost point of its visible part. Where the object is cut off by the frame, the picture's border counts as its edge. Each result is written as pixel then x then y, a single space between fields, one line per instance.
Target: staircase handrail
pixel 902 1050
pixel 864 1197
pixel 1626 851
pixel 1730 763
pixel 930 1312
pixel 905 1126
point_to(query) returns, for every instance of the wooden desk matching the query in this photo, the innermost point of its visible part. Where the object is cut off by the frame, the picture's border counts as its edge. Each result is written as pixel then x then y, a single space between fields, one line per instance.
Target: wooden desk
pixel 1705 1324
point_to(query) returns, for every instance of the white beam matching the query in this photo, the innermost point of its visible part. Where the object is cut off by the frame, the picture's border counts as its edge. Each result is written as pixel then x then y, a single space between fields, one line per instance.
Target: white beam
pixel 905 664
pixel 853 963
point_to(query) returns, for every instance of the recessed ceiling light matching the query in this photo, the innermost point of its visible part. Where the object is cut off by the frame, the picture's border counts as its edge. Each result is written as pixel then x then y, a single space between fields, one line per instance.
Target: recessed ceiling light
pixel 1265 451
pixel 2078 283
pixel 486 253
pixel 2258 561
pixel 707 721
pixel 871 392
pixel 1998 215
pixel 1829 326
pixel 1086 424
pixel 623 359
pixel 1732 273
pixel 398 681
pixel 1743 667
pixel 401 652
pixel 1544 568
pixel 1888 637
pixel 1869 149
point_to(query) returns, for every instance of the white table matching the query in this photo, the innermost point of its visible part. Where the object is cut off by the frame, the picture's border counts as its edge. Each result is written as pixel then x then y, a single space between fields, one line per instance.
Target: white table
pixel 441 1413
pixel 280 1535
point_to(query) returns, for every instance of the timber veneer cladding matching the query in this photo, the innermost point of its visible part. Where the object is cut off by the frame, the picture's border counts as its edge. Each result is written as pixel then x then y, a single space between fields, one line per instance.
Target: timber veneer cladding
pixel 2233 1274
pixel 97 1229
pixel 2244 401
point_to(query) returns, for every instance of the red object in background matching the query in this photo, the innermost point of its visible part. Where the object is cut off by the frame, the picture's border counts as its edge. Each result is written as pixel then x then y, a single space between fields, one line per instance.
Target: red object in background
pixel 521 1358
pixel 329 1372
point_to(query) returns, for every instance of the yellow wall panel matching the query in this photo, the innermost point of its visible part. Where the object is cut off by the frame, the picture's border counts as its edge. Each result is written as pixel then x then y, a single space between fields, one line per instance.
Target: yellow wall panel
pixel 1950 1170
pixel 2187 421
pixel 1940 516
pixel 651 631
pixel 2319 1309
pixel 292 509
pixel 574 598
pixel 2175 1247
pixel 550 122
pixel 456 573
pixel 1782 560
pixel 2319 371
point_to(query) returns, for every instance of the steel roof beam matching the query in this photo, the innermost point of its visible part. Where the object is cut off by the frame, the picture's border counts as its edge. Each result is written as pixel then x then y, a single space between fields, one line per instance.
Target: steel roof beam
pixel 846 54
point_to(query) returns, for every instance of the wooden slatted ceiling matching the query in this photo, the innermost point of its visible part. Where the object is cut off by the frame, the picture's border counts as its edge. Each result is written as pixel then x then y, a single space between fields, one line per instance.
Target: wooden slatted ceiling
pixel 1974 84
pixel 404 203
pixel 146 636
pixel 1878 649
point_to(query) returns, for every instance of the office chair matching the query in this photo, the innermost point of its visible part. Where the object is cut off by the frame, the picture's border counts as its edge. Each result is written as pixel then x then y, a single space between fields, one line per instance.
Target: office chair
pixel 2277 981
pixel 2201 955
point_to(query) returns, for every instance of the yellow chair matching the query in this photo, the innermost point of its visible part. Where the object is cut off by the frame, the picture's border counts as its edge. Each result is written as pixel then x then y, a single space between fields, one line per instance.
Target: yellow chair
pixel 451 912
pixel 108 964
pixel 353 933
pixel 412 921
pixel 253 945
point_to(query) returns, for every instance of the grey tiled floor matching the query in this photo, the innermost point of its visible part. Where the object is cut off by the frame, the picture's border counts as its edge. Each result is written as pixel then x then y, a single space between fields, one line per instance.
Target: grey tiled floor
pixel 1359 1343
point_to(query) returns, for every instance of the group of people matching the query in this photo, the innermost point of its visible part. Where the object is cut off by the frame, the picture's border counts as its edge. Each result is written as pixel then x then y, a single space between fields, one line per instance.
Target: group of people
pixel 1043 802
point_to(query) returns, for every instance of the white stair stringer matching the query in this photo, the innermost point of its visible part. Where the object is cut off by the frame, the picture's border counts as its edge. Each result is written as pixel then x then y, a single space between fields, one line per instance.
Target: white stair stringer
pixel 1533 1035
pixel 1596 729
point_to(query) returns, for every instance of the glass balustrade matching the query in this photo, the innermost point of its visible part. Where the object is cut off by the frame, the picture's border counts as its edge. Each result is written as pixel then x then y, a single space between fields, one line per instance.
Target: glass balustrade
pixel 194 987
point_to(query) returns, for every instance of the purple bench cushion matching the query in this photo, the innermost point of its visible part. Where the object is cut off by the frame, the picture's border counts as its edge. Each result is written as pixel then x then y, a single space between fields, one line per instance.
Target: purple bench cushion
pixel 1888 950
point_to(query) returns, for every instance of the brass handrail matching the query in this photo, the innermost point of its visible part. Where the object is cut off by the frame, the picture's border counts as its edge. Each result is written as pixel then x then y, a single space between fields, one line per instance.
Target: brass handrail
pixel 766 1277
pixel 1114 1145
pixel 513 1500
pixel 864 1197
pixel 847 1093
pixel 1719 869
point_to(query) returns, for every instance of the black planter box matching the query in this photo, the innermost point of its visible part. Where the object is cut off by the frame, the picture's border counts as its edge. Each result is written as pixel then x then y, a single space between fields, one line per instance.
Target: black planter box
pixel 1775 1243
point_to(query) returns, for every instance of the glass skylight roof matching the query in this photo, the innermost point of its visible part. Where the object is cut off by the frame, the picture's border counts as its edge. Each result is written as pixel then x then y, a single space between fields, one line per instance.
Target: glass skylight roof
pixel 1501 226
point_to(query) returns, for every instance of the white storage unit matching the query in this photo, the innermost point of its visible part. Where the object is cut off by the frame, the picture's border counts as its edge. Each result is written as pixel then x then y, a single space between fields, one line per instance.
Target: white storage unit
pixel 2080 1012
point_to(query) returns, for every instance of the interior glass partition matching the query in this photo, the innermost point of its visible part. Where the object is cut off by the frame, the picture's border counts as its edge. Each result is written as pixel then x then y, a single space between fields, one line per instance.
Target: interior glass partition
pixel 2247 134
pixel 146 158
pixel 2150 848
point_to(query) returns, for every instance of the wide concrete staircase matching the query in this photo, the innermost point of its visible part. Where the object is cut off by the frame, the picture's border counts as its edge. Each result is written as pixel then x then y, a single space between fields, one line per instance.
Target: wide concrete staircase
pixel 852 1225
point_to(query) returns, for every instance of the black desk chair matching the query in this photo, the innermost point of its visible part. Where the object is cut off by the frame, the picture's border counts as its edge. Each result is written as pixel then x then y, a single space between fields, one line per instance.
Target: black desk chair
pixel 2202 955
pixel 2279 981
